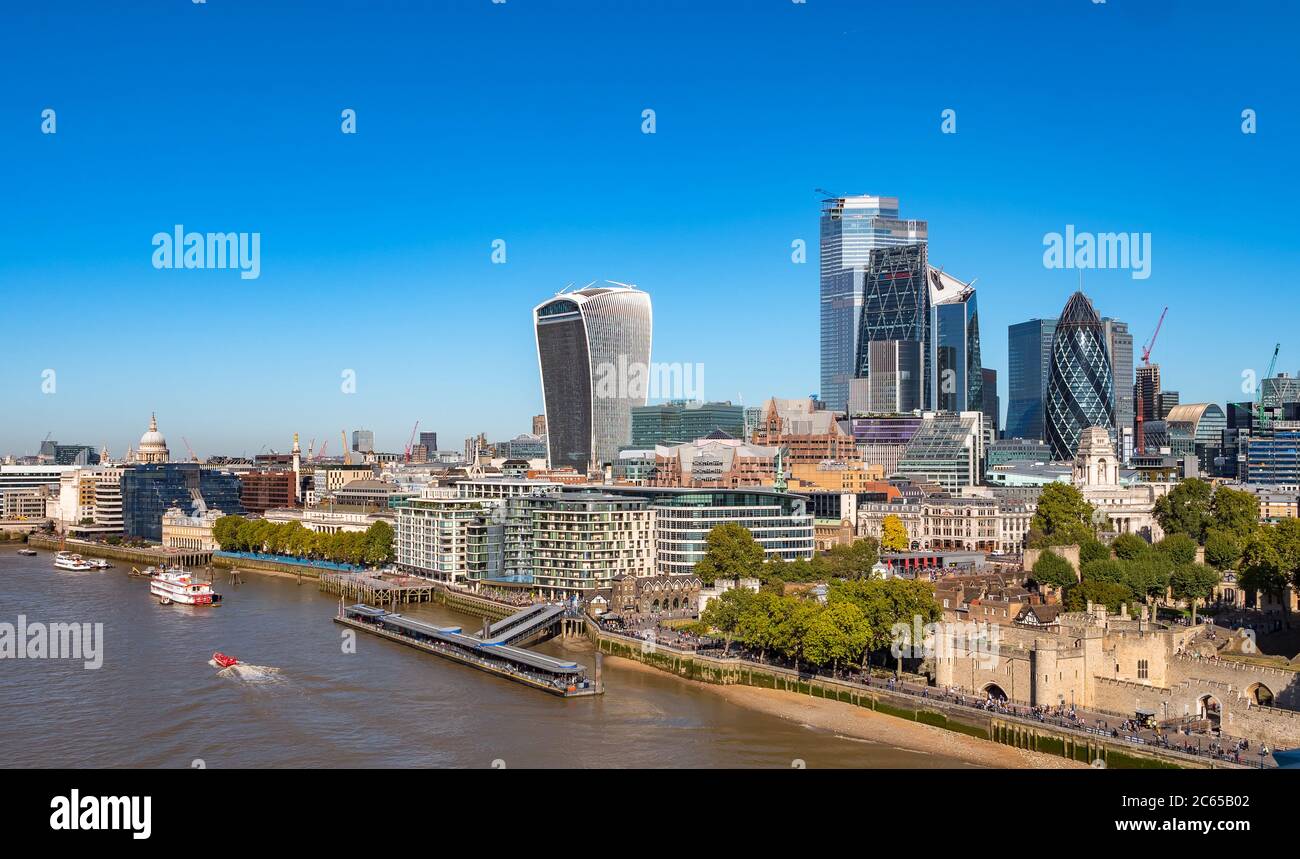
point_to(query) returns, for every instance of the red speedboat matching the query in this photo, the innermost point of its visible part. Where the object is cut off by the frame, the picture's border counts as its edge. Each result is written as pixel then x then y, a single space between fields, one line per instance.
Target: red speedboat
pixel 223 660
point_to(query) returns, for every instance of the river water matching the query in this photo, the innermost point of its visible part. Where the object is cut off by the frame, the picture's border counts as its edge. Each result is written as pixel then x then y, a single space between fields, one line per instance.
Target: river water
pixel 158 702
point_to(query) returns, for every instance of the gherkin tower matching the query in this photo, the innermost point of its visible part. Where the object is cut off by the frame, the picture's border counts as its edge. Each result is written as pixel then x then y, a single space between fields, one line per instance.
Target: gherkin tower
pixel 1080 383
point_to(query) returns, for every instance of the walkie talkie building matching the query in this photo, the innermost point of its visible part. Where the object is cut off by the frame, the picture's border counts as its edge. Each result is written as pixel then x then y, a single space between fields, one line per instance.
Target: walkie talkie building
pixel 1080 384
pixel 593 350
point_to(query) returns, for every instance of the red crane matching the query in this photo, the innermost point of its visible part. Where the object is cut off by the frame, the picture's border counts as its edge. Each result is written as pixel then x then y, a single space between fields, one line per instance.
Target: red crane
pixel 1140 441
pixel 411 441
pixel 1146 350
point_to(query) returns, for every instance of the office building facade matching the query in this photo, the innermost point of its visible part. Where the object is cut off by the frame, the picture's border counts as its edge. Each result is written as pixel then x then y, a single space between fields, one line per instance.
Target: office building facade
pixel 896 311
pixel 1029 360
pixel 150 490
pixel 590 344
pixel 1080 385
pixel 851 228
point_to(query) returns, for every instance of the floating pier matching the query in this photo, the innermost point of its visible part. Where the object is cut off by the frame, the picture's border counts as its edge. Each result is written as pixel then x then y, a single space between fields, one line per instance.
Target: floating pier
pixel 492 651
pixel 378 588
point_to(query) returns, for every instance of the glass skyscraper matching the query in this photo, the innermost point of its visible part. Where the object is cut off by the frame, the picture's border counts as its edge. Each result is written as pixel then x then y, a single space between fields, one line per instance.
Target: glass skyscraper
pixel 1120 344
pixel 1080 384
pixel 957 377
pixel 851 228
pixel 896 310
pixel 593 349
pixel 1029 357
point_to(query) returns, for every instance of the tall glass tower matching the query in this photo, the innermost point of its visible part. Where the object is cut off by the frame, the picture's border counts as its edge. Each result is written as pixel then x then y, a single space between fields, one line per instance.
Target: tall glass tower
pixel 593 350
pixel 896 311
pixel 1119 342
pixel 1029 357
pixel 957 377
pixel 1080 383
pixel 851 227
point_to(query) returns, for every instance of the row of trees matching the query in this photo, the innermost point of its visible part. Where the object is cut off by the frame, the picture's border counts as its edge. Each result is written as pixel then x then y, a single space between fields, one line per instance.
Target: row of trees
pixel 1129 571
pixel 373 546
pixel 731 552
pixel 856 620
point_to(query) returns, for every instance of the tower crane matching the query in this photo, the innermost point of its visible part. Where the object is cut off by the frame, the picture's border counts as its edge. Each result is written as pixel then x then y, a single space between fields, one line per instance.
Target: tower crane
pixel 1140 437
pixel 411 442
pixel 193 457
pixel 1260 420
pixel 347 454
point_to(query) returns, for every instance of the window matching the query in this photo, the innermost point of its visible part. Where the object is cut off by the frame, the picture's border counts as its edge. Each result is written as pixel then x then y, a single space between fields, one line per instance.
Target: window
pixel 1142 669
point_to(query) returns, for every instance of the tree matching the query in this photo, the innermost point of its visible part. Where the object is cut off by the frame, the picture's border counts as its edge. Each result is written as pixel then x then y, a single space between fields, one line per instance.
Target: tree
pixel 1193 582
pixel 226 532
pixel 1222 549
pixel 724 611
pixel 730 552
pixel 1234 512
pixel 1186 509
pixel 837 634
pixel 893 534
pixel 1063 516
pixel 1052 569
pixel 1180 548
pixel 1110 594
pixel 853 561
pixel 1148 575
pixel 378 544
pixel 1106 570
pixel 1261 567
pixel 1129 547
pixel 1093 549
pixel 886 603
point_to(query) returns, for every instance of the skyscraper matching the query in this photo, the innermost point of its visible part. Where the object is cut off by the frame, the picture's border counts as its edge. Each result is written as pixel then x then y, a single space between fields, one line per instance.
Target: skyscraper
pixel 956 377
pixel 851 227
pixel 1119 342
pixel 430 442
pixel 363 441
pixel 593 350
pixel 1080 384
pixel 1029 359
pixel 896 310
pixel 992 404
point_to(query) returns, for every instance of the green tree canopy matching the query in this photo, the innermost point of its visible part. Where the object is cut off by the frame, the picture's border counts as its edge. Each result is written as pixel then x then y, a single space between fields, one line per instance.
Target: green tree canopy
pixel 1110 594
pixel 1234 512
pixel 730 552
pixel 1222 549
pixel 1129 547
pixel 1093 549
pixel 1180 548
pixel 1194 583
pixel 1063 516
pixel 1052 569
pixel 1186 509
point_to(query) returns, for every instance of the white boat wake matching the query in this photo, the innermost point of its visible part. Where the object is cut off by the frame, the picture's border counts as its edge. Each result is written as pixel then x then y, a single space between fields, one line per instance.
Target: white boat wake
pixel 251 673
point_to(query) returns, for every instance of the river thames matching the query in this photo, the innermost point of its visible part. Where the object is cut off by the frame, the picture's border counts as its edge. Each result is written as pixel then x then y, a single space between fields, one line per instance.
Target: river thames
pixel 301 701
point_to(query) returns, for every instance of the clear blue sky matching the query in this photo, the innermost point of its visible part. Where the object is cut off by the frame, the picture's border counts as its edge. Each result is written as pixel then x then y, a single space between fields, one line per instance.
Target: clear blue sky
pixel 522 121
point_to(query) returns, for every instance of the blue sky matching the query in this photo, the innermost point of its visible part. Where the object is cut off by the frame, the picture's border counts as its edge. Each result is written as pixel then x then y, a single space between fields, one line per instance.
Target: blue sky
pixel 522 121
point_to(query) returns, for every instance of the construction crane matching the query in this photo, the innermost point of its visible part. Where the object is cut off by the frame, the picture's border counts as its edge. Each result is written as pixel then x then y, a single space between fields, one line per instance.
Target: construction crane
pixel 193 457
pixel 311 446
pixel 411 442
pixel 1140 441
pixel 1260 420
pixel 826 193
pixel 347 454
pixel 320 454
pixel 1146 350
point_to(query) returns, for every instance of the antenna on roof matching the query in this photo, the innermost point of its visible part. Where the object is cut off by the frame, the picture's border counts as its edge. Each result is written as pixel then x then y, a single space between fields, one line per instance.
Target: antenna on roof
pixel 624 285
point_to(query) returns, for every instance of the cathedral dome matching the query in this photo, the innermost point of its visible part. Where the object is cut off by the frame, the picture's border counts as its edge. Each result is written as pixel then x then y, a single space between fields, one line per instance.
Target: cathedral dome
pixel 153 446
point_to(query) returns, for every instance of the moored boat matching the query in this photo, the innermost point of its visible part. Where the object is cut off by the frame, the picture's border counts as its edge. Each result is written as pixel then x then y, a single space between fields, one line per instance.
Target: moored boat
pixel 181 587
pixel 223 660
pixel 71 561
pixel 31 553
pixel 100 564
